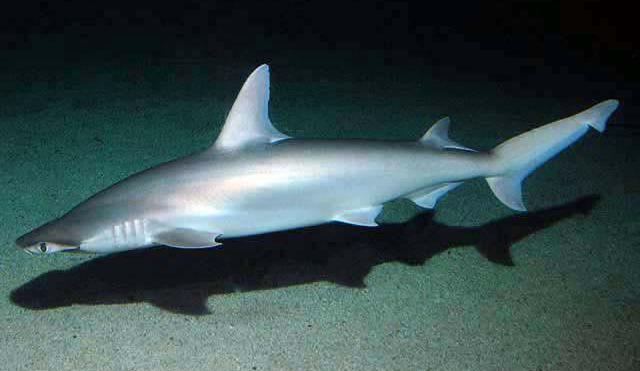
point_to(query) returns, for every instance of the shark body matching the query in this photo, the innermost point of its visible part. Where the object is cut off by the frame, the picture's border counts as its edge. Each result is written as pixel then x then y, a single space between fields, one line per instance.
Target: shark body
pixel 255 179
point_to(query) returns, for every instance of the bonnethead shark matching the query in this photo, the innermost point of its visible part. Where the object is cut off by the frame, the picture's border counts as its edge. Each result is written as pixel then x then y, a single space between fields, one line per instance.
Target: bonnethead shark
pixel 255 179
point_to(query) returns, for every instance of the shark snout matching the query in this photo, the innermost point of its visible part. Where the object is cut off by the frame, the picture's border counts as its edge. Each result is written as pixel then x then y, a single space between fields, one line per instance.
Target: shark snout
pixel 46 239
pixel 23 241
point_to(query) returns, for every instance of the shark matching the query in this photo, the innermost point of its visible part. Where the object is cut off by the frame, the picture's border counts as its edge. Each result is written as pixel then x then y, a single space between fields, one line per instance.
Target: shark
pixel 255 179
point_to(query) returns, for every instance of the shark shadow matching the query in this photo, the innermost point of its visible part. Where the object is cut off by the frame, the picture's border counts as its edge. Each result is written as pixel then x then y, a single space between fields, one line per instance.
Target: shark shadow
pixel 181 281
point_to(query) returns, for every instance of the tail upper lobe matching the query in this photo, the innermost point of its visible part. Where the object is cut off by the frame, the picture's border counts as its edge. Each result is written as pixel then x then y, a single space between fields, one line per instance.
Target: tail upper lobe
pixel 519 156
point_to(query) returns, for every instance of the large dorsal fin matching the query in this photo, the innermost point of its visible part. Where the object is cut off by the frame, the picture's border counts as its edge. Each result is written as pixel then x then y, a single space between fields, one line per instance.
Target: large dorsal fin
pixel 248 121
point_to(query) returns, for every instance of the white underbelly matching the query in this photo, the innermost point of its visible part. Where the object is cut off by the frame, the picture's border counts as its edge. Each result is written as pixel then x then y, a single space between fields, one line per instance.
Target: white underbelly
pixel 258 222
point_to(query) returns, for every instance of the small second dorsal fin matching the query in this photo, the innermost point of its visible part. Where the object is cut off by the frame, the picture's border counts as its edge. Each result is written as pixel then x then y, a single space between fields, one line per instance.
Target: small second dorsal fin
pixel 438 137
pixel 248 121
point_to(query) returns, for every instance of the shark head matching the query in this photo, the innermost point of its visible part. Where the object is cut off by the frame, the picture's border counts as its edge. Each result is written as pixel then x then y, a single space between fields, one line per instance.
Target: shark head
pixel 46 239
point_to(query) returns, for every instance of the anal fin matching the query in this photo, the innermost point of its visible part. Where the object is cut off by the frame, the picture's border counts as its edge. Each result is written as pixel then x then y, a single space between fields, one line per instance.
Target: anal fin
pixel 428 197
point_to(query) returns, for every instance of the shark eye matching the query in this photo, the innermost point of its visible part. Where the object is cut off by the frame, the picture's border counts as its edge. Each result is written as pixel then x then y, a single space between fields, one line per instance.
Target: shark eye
pixel 43 246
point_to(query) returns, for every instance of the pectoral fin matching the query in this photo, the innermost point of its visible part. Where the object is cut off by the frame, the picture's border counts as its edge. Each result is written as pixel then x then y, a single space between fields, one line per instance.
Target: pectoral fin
pixel 185 238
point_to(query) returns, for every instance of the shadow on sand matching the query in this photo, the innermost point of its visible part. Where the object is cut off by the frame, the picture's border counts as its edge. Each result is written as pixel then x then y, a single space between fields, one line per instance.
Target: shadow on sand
pixel 181 281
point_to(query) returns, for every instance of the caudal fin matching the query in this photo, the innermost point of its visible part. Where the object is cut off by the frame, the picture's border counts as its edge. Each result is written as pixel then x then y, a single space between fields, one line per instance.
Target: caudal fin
pixel 519 156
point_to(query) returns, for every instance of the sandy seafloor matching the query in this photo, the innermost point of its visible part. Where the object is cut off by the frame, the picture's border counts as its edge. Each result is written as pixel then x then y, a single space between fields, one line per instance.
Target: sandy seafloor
pixel 471 286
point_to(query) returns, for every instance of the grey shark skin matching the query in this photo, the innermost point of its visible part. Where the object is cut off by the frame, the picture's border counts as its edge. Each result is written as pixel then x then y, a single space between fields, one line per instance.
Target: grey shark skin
pixel 254 180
